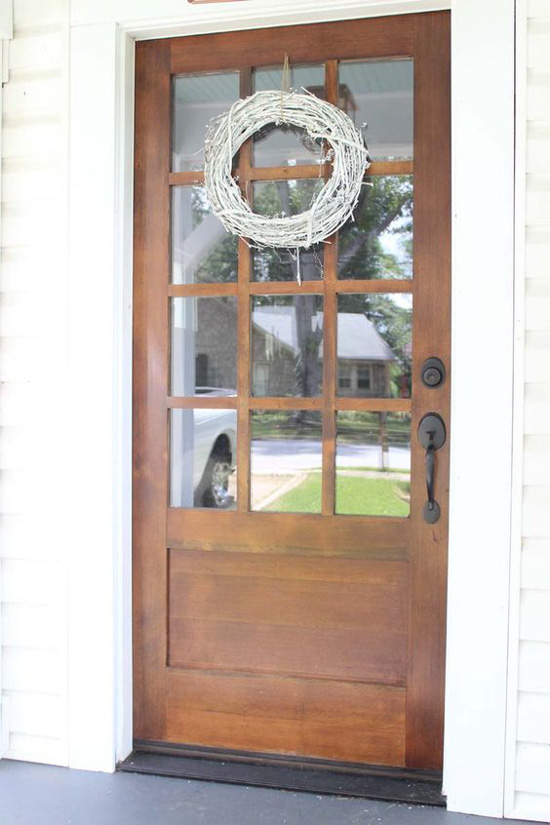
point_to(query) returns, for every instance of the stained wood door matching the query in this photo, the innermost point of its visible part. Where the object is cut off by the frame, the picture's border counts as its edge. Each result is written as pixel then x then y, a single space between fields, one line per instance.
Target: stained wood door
pixel 289 597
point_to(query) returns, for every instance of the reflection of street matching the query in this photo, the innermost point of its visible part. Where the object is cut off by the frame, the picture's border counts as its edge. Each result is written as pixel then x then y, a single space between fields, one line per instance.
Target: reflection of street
pixel 283 469
pixel 274 456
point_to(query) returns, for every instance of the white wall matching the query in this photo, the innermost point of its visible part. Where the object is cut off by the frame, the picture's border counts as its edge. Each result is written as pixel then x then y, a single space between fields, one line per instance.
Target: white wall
pixel 33 393
pixel 529 747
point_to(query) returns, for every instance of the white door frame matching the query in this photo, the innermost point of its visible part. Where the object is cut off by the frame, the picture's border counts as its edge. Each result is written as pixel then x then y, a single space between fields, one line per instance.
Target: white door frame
pixel 101 123
pixel 6 34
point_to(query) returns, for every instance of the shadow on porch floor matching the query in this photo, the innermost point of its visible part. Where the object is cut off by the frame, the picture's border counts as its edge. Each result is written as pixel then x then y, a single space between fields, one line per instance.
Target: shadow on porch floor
pixel 43 795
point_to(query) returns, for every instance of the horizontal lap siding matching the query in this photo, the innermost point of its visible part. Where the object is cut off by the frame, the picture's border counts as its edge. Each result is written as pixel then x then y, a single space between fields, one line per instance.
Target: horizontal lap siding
pixel 33 376
pixel 532 777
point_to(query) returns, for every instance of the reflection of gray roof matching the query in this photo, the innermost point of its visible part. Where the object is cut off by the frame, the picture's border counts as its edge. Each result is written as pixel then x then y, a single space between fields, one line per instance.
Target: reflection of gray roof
pixel 358 338
pixel 280 322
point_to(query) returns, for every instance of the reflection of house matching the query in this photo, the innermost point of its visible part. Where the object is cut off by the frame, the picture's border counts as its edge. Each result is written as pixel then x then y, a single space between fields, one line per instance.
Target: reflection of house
pixel 216 343
pixel 276 366
pixel 286 349
pixel 364 358
pixel 204 344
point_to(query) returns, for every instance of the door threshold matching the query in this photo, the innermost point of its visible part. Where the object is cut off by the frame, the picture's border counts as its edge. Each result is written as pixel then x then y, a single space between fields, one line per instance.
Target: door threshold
pixel 289 773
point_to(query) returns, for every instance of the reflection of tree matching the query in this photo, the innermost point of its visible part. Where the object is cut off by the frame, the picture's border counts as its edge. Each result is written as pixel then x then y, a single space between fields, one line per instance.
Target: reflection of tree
pixel 220 263
pixel 376 244
pixel 290 198
pixel 385 206
pixel 308 365
pixel 394 323
pixel 293 355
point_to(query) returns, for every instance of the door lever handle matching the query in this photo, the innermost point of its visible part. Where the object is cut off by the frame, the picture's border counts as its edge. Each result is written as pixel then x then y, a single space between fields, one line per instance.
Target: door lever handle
pixel 432 435
pixel 430 473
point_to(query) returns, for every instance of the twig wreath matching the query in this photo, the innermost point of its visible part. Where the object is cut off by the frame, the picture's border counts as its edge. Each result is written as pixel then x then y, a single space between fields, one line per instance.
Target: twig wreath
pixel 329 209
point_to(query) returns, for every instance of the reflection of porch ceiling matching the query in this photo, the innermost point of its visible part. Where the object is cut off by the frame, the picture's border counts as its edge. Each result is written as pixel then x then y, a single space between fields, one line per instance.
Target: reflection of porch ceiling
pixel 382 93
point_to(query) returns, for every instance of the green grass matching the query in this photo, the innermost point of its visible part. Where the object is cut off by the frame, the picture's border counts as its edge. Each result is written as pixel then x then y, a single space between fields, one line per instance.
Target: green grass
pixel 353 427
pixel 372 496
pixel 354 496
pixel 378 469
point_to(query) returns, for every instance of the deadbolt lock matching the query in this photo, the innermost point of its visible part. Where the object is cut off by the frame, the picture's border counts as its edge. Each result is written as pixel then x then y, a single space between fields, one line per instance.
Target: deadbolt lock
pixel 432 373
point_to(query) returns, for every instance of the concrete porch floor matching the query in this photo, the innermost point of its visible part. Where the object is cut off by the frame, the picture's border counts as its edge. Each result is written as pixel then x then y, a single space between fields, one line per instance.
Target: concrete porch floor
pixel 43 795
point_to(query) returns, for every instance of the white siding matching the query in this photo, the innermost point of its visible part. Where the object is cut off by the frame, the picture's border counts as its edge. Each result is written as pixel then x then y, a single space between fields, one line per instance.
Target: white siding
pixel 33 376
pixel 532 755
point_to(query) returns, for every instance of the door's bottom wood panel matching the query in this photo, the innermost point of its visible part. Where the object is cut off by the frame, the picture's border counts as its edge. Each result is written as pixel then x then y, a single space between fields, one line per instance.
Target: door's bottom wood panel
pixel 346 721
pixel 290 651
pixel 330 618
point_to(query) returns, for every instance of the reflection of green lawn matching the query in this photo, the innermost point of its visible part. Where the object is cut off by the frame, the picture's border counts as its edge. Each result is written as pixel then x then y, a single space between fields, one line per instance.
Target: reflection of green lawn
pixel 403 471
pixel 354 496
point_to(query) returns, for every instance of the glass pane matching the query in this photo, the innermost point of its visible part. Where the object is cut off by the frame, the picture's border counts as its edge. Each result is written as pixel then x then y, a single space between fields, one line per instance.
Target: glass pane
pixel 373 463
pixel 286 458
pixel 202 251
pixel 196 99
pixel 284 197
pixel 282 264
pixel 287 145
pixel 379 93
pixel 203 451
pixel 204 346
pixel 378 242
pixel 286 354
pixel 374 345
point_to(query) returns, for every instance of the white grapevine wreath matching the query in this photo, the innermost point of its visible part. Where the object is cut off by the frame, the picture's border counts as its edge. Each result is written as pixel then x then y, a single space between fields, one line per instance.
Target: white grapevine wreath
pixel 332 206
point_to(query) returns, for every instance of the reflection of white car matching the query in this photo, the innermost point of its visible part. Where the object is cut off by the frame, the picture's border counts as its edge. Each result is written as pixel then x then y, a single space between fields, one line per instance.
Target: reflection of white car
pixel 215 441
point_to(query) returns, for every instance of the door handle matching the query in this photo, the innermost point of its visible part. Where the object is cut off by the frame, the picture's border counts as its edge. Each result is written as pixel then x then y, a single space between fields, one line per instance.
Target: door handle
pixel 430 475
pixel 432 435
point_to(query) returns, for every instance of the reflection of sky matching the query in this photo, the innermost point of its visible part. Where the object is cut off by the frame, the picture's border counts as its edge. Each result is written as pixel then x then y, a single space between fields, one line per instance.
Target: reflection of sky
pixel 393 242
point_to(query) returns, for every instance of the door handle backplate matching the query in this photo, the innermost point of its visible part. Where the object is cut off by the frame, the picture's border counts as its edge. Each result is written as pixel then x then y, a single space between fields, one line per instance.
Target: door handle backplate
pixel 432 434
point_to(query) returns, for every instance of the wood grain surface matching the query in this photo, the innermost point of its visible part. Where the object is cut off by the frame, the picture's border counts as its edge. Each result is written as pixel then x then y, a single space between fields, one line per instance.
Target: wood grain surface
pixel 308 634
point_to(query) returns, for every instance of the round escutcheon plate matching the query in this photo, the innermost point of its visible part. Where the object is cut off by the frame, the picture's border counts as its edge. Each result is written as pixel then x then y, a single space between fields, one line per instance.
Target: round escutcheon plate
pixel 431 514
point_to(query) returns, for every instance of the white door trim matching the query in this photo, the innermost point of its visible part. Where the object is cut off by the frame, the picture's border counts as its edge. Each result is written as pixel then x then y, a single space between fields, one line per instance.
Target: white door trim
pixel 482 358
pixel 100 205
pixel 518 415
pixel 6 34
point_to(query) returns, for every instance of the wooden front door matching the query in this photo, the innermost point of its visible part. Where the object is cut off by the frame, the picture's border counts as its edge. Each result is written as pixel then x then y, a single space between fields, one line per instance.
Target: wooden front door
pixel 289 595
